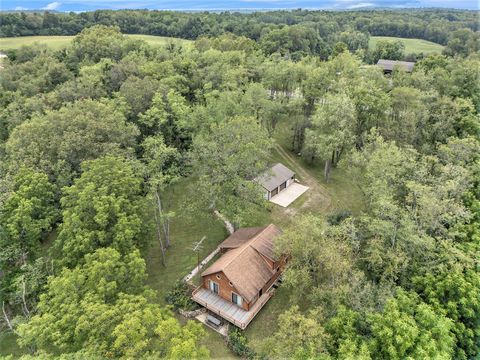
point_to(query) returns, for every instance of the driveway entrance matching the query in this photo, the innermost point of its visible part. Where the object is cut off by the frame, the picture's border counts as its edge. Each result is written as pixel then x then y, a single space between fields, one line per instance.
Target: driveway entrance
pixel 289 195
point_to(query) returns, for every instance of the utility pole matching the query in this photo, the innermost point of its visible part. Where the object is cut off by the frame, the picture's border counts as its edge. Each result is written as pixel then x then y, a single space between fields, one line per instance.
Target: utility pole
pixel 197 247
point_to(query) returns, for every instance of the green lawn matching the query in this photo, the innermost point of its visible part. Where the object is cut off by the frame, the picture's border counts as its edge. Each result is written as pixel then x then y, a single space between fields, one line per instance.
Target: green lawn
pixel 59 42
pixel 411 45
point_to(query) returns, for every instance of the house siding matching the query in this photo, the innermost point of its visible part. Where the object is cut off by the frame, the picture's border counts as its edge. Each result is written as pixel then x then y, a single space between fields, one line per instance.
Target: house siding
pixel 225 290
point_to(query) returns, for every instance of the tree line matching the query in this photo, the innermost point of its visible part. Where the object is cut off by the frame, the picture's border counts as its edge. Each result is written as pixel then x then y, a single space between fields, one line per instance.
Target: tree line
pixel 301 32
pixel 94 136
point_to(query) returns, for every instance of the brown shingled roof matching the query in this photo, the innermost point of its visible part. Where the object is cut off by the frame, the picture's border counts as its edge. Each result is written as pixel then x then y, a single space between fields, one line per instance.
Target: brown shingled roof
pixel 244 265
pixel 239 237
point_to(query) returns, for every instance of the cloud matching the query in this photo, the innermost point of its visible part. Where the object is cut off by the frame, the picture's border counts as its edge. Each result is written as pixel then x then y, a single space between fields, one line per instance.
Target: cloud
pixel 52 6
pixel 20 8
pixel 359 5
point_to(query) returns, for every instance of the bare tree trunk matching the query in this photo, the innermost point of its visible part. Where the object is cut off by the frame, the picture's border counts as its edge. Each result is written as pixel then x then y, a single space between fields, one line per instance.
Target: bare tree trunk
pixel 25 307
pixel 159 235
pixel 7 320
pixel 327 170
pixel 163 220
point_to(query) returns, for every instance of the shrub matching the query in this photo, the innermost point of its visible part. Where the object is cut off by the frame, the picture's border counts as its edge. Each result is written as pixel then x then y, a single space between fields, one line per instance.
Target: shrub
pixel 179 297
pixel 237 341
pixel 338 216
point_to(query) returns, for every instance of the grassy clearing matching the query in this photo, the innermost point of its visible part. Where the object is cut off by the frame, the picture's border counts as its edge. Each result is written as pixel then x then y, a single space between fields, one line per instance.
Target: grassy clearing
pixel 411 45
pixel 60 42
pixel 180 259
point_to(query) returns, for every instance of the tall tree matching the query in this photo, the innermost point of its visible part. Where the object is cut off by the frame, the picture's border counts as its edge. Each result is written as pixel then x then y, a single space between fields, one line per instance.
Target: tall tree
pixel 225 160
pixel 103 308
pixel 162 167
pixel 102 208
pixel 59 141
pixel 333 130
pixel 409 328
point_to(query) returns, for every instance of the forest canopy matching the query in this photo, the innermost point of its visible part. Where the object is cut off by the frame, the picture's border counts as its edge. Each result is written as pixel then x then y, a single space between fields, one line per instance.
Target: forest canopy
pixel 96 138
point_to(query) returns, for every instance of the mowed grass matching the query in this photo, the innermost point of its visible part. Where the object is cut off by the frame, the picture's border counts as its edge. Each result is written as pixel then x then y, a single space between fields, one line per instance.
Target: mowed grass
pixel 186 229
pixel 60 42
pixel 411 45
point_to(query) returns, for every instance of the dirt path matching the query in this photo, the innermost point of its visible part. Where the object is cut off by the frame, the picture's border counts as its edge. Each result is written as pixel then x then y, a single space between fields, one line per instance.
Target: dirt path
pixel 318 196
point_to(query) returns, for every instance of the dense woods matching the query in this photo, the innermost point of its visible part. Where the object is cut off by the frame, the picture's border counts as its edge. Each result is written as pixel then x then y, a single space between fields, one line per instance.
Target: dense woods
pixel 298 32
pixel 93 137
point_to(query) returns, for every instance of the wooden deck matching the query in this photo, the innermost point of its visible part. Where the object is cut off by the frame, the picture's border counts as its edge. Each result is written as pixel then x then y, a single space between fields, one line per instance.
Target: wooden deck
pixel 227 310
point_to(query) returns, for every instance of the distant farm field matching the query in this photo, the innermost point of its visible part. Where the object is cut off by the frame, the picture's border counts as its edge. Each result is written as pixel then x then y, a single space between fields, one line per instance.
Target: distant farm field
pixel 59 42
pixel 411 45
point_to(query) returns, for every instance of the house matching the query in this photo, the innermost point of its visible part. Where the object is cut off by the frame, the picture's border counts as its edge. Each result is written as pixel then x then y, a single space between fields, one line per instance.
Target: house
pixel 239 283
pixel 276 179
pixel 389 65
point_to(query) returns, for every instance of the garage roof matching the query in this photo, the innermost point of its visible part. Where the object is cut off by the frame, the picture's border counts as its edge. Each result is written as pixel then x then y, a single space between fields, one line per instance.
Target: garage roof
pixel 389 65
pixel 275 176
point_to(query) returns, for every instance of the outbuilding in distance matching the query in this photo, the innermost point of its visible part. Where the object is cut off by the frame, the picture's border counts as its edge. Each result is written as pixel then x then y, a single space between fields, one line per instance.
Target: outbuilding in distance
pixel 389 65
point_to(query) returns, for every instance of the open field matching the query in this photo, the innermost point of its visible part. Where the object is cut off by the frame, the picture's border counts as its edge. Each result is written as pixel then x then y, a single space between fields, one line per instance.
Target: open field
pixel 411 45
pixel 59 42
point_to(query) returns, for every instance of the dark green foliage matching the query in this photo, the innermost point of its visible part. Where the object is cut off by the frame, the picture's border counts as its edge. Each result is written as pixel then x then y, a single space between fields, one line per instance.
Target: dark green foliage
pixel 297 31
pixel 337 217
pixel 237 341
pixel 180 297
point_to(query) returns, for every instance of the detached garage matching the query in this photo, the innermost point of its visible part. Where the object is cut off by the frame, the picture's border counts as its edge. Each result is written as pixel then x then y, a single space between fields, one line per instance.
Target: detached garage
pixel 276 180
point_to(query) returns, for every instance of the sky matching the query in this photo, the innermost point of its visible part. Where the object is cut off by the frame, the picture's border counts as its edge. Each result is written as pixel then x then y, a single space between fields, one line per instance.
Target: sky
pixel 87 5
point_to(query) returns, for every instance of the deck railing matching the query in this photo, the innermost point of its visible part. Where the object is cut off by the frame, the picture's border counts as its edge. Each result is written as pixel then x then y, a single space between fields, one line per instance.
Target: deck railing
pixel 242 325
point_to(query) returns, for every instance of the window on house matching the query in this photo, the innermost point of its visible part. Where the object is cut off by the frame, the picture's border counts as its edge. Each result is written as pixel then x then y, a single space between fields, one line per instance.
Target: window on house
pixel 218 276
pixel 236 299
pixel 214 287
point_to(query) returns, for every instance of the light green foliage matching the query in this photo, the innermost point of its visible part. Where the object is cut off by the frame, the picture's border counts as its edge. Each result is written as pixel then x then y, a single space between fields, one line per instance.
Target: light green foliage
pixel 370 103
pixel 225 161
pixel 18 110
pixel 298 337
pixel 408 328
pixel 98 42
pixel 295 41
pixel 408 112
pixel 180 342
pixel 321 270
pixel 102 308
pixel 38 75
pixel 28 213
pixel 59 141
pixel 345 339
pixel 102 208
pixel 454 292
pixel 168 115
pixel 389 50
pixel 333 129
pixel 462 42
pixel 89 84
pixel 354 40
pixel 161 162
pixel 138 93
